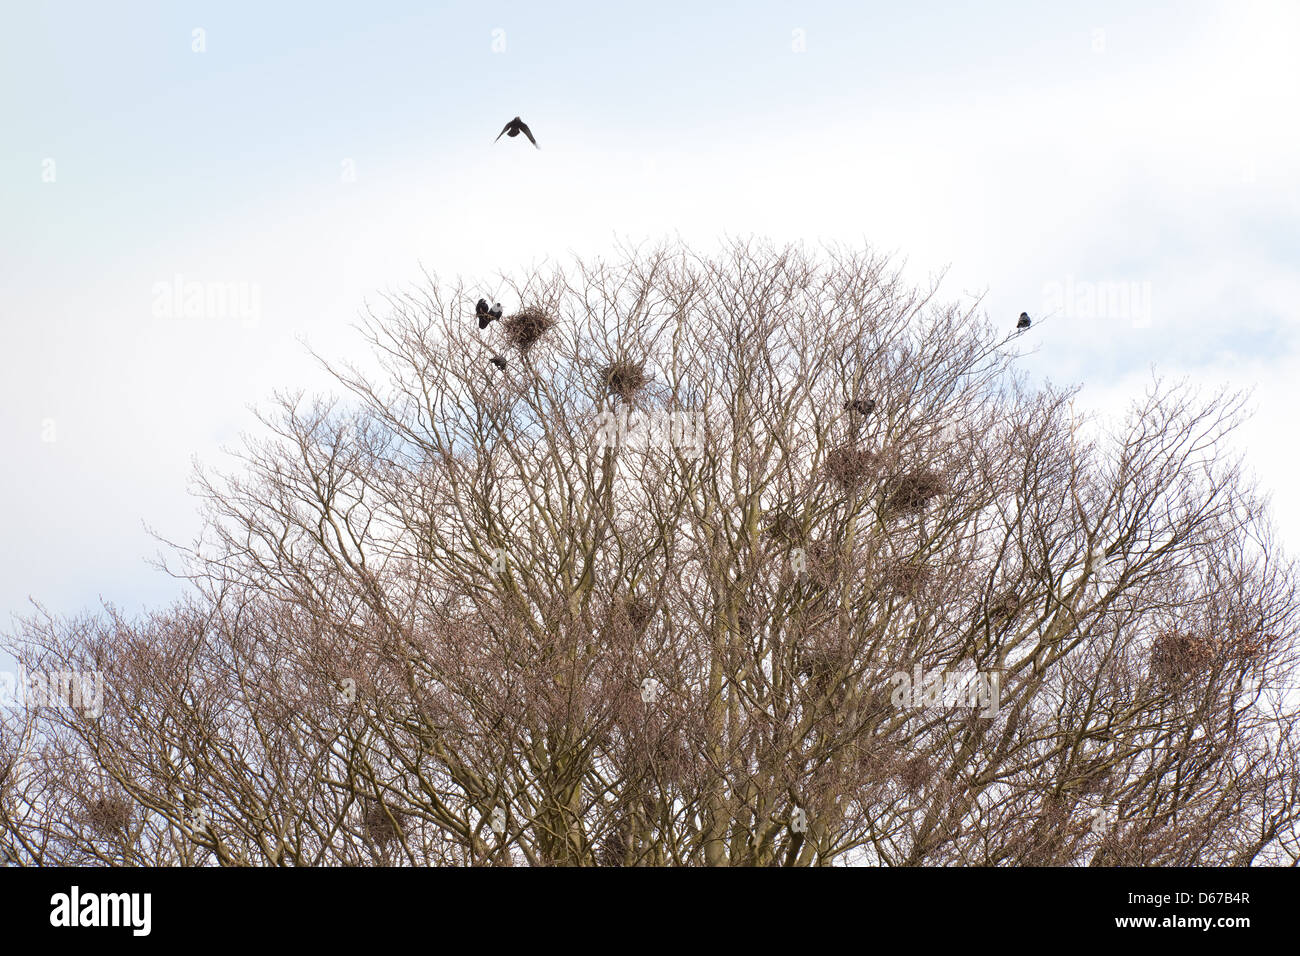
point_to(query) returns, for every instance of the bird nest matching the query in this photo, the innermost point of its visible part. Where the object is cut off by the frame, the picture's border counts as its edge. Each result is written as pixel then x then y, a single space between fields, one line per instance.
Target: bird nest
pixel 1248 646
pixel 904 576
pixel 1095 781
pixel 1004 607
pixel 820 665
pixel 109 815
pixel 635 612
pixel 913 491
pixel 915 773
pixel 849 466
pixel 382 824
pixel 1053 811
pixel 870 763
pixel 1180 656
pixel 624 378
pixel 661 757
pixel 784 527
pixel 526 326
pixel 613 849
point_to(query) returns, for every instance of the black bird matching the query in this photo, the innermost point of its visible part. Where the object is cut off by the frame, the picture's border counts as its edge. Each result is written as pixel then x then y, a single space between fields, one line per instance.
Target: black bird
pixel 498 361
pixel 514 128
pixel 863 406
pixel 484 313
pixel 496 311
pixel 1024 322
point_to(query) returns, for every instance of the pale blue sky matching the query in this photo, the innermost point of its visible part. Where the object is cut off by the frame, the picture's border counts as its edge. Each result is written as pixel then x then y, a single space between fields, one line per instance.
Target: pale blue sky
pixel 1026 145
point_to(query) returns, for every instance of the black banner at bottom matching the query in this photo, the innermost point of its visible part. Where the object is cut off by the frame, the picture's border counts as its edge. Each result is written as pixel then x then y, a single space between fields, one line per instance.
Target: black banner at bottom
pixel 342 906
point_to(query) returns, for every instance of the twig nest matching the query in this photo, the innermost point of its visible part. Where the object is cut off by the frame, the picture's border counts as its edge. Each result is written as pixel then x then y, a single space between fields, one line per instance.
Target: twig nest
pixel 615 845
pixel 1095 781
pixel 1004 607
pixel 915 773
pixel 109 814
pixel 624 378
pixel 381 824
pixel 670 759
pixel 820 665
pixel 631 615
pixel 904 576
pixel 1249 647
pixel 1053 811
pixel 639 611
pixel 869 762
pixel 526 326
pixel 850 466
pixel 913 491
pixel 1179 656
pixel 783 527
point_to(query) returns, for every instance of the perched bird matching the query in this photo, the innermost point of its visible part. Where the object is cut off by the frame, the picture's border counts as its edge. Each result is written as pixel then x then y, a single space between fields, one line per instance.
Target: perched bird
pixel 863 406
pixel 514 128
pixel 1024 322
pixel 484 313
pixel 498 361
pixel 496 311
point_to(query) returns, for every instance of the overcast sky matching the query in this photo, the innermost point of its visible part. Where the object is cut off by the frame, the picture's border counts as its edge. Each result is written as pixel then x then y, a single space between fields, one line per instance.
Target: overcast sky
pixel 316 155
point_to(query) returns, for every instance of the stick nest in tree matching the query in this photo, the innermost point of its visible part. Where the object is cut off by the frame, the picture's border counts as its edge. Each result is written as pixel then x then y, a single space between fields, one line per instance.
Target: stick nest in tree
pixel 624 378
pixel 109 815
pixel 634 612
pixel 615 845
pixel 915 773
pixel 381 824
pixel 825 565
pixel 526 326
pixel 783 527
pixel 1004 607
pixel 904 576
pixel 913 491
pixel 1180 656
pixel 849 466
pixel 820 664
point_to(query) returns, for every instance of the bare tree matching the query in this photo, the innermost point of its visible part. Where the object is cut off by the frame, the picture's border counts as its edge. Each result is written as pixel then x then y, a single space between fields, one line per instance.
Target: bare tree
pixel 678 585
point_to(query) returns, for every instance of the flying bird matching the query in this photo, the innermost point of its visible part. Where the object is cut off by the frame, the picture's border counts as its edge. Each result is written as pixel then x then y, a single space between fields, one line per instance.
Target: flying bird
pixel 1024 322
pixel 514 128
pixel 484 313
pixel 863 406
pixel 498 361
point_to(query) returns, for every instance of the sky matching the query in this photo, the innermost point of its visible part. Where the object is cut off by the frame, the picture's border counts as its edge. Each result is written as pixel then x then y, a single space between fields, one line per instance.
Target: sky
pixel 1128 170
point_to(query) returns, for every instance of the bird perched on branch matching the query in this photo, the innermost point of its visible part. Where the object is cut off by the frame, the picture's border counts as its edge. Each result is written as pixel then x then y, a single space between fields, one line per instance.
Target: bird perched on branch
pixel 1024 322
pixel 487 315
pixel 514 128
pixel 499 361
pixel 863 406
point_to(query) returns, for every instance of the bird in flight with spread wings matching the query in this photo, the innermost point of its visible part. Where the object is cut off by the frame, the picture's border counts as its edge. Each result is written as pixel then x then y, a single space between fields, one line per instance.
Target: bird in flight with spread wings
pixel 514 128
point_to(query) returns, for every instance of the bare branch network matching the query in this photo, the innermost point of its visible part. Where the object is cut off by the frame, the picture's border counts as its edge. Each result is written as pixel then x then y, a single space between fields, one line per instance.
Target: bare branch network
pixel 762 558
